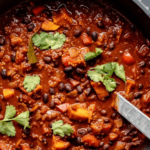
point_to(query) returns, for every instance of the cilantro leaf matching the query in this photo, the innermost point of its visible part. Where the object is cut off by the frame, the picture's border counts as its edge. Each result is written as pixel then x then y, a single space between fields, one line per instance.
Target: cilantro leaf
pixel 104 72
pixel 6 125
pixel 23 119
pixel 31 55
pixel 91 55
pixel 110 84
pixel 10 112
pixel 45 40
pixel 60 129
pixel 95 76
pixel 30 82
pixel 7 128
pixel 109 69
pixel 119 71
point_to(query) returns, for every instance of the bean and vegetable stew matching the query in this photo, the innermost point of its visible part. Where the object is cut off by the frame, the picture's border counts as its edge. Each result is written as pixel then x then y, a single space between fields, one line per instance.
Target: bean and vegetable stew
pixel 61 65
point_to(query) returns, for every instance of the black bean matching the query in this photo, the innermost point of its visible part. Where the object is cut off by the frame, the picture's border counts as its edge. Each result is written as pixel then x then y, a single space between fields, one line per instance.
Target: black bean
pixel 88 91
pixel 45 98
pixel 80 71
pixel 133 28
pixel 21 12
pixel 137 95
pixel 142 64
pixel 65 32
pixel 0 107
pixel 50 125
pixel 94 35
pixel 106 120
pixel 47 59
pixel 80 90
pixel 78 140
pixel 105 45
pixel 103 112
pixel 31 145
pixel 106 147
pixel 101 144
pixel 148 64
pixel 77 32
pixel 4 73
pixel 142 72
pixel 68 87
pixel 111 142
pixel 13 57
pixel 112 45
pixel 82 131
pixel 44 141
pixel 140 86
pixel 52 104
pixel 47 12
pixel 147 111
pixel 26 131
pixel 61 86
pixel 89 129
pixel 68 69
pixel 56 63
pixel 26 20
pixel 88 31
pixel 30 27
pixel 92 62
pixel 148 42
pixel 114 33
pixel 113 116
pixel 2 40
pixel 100 24
pixel 52 91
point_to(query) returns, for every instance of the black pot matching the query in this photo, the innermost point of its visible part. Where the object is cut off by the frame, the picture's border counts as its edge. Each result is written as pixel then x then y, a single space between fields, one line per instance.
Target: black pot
pixel 136 11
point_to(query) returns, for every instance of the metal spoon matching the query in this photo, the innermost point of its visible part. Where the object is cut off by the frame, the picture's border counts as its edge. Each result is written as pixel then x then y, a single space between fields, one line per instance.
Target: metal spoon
pixel 133 115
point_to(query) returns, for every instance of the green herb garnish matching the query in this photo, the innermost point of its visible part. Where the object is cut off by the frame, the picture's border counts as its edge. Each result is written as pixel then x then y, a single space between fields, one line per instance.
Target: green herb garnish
pixel 47 40
pixel 60 129
pixel 6 125
pixel 91 55
pixel 30 82
pixel 102 73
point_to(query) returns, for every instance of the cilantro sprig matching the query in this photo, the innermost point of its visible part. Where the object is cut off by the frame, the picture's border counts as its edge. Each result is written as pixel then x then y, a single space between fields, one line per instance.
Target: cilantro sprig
pixel 60 129
pixel 91 55
pixel 6 125
pixel 30 82
pixel 47 40
pixel 104 72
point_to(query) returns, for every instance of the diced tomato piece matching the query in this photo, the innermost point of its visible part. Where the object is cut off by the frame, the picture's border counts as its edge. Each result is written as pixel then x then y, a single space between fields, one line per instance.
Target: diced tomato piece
pixel 86 39
pixel 63 107
pixel 66 60
pixel 128 59
pixel 38 10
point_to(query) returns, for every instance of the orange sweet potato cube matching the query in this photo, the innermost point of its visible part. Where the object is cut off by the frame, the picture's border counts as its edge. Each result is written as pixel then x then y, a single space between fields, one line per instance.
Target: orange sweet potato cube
pixel 100 90
pixel 8 93
pixel 49 26
pixel 62 18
